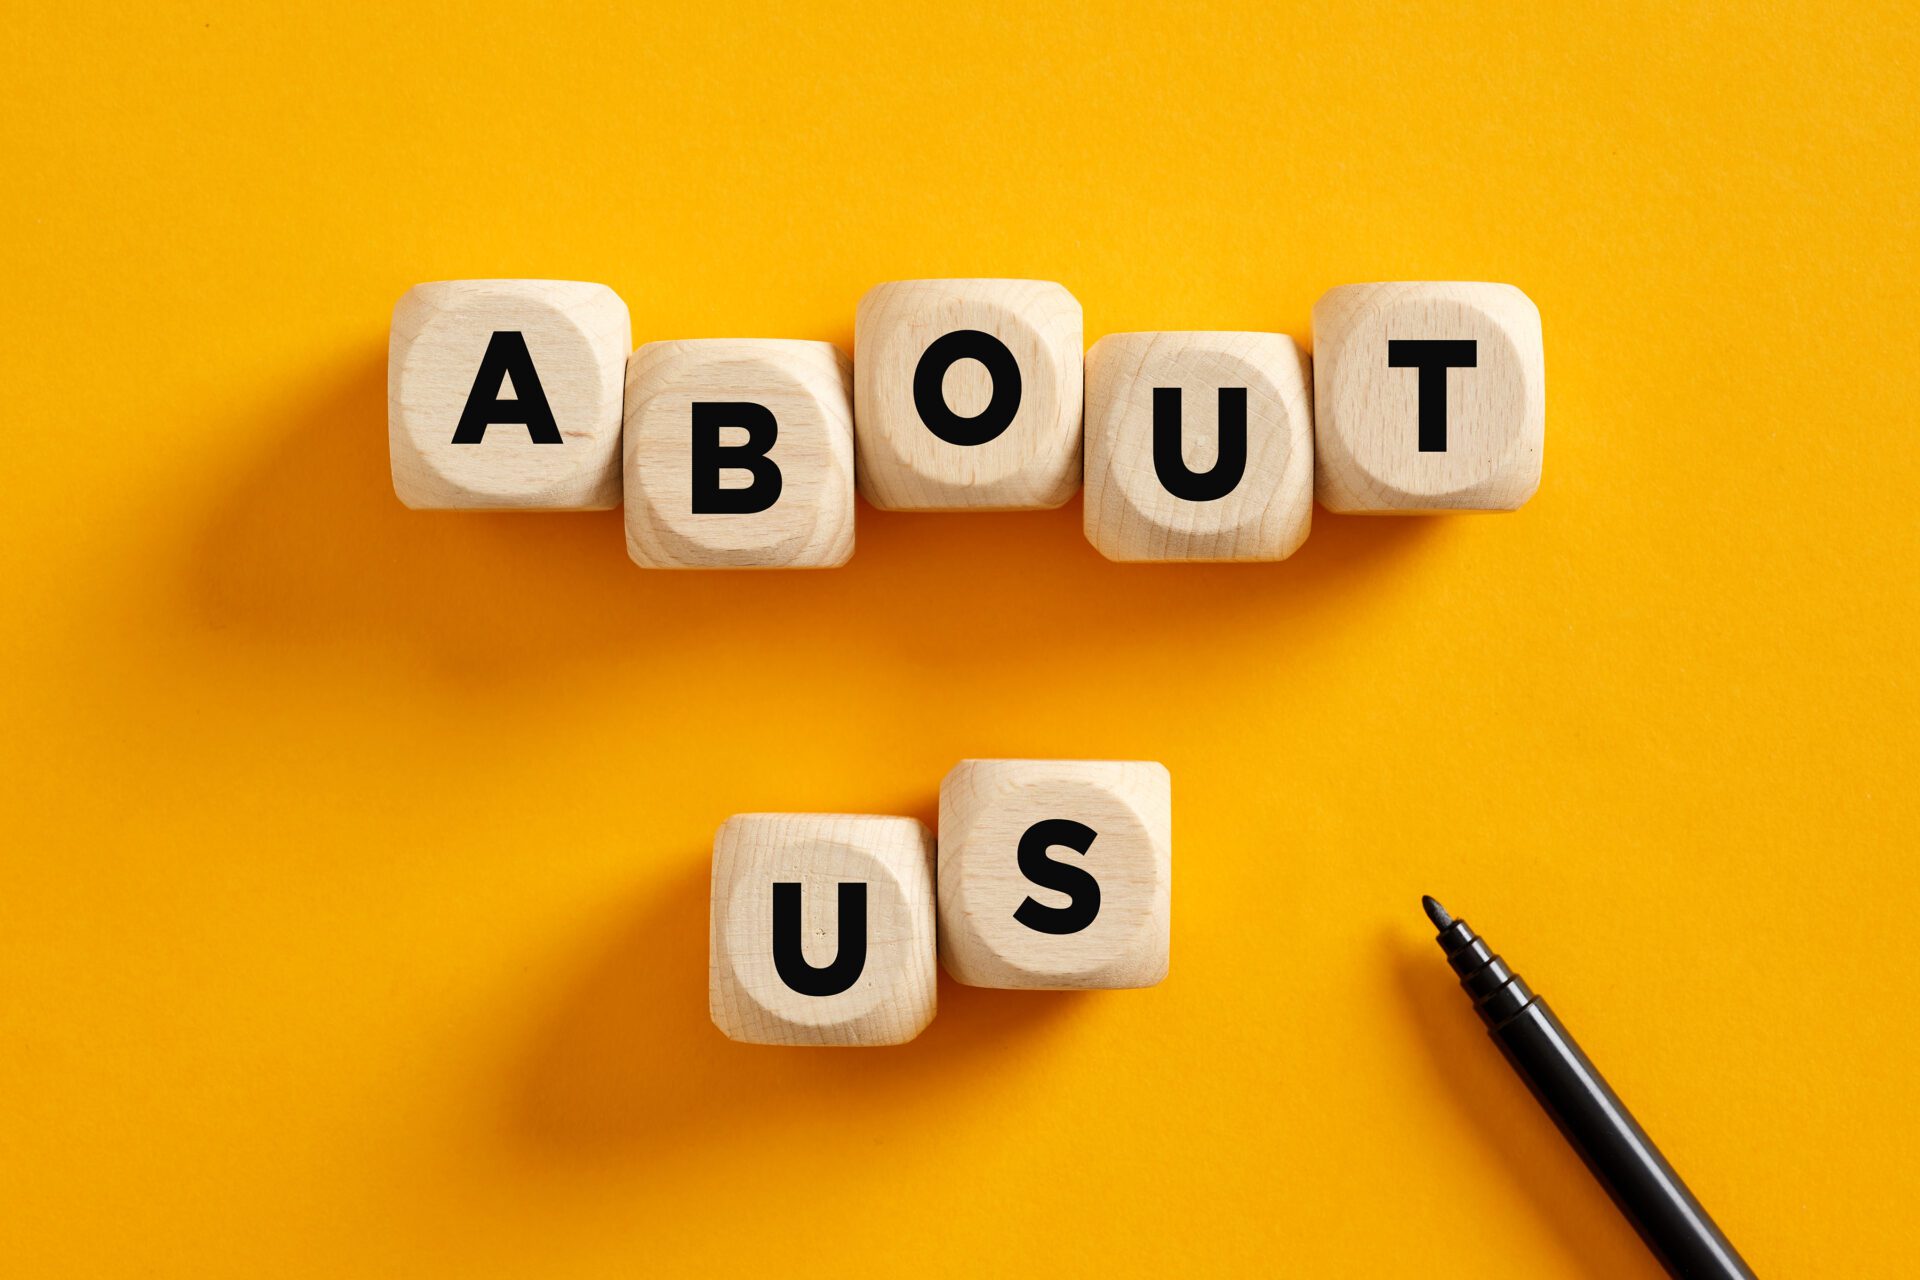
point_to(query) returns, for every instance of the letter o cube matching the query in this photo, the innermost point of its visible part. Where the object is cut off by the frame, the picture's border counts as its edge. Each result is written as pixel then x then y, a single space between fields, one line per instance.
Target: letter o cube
pixel 1427 397
pixel 465 434
pixel 968 394
pixel 739 454
pixel 821 929
pixel 1199 446
pixel 1056 873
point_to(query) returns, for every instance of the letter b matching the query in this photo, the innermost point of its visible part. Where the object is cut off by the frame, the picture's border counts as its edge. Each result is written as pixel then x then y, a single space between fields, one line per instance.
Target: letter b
pixel 711 458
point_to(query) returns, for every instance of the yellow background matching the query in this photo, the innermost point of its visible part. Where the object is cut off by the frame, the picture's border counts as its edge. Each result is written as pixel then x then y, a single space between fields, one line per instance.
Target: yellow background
pixel 352 908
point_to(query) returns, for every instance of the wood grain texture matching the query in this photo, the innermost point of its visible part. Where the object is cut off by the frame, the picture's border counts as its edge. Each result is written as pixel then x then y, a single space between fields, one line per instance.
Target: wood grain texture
pixel 893 999
pixel 1035 462
pixel 808 387
pixel 1130 514
pixel 986 806
pixel 1366 411
pixel 577 334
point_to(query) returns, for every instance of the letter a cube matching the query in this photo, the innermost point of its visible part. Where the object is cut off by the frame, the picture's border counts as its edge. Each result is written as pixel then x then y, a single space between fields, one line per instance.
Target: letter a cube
pixel 506 393
pixel 739 454
pixel 1427 397
pixel 1056 873
pixel 821 929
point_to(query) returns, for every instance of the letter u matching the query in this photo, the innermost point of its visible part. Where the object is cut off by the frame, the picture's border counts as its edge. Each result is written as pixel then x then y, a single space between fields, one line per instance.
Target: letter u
pixel 1228 466
pixel 789 959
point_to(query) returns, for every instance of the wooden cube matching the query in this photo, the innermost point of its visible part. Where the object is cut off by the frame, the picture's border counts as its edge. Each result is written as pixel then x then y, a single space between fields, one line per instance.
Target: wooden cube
pixel 739 454
pixel 1056 873
pixel 968 394
pixel 1427 397
pixel 1199 446
pixel 821 929
pixel 506 393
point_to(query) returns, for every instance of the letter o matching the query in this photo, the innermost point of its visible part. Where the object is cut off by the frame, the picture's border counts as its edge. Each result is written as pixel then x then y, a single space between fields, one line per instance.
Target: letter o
pixel 929 392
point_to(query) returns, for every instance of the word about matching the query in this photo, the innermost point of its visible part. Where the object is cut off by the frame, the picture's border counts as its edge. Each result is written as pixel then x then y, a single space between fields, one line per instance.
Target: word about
pixel 964 395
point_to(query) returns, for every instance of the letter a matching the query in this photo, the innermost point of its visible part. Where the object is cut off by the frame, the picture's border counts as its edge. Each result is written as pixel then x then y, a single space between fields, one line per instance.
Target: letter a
pixel 506 358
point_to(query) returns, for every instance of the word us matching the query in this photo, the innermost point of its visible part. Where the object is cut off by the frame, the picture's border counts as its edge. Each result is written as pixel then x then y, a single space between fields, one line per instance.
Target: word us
pixel 1050 874
pixel 964 395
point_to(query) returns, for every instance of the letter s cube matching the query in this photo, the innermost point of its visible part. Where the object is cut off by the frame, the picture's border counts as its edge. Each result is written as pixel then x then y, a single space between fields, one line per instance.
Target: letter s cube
pixel 506 394
pixel 1056 873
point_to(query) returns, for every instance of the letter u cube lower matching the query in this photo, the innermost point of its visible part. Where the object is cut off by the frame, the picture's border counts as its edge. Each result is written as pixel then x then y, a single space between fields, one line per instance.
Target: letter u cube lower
pixel 822 929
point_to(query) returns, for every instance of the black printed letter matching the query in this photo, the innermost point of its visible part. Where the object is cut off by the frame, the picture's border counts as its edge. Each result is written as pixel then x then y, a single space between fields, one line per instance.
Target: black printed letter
pixel 1171 466
pixel 506 357
pixel 929 393
pixel 791 963
pixel 710 457
pixel 1062 877
pixel 1432 357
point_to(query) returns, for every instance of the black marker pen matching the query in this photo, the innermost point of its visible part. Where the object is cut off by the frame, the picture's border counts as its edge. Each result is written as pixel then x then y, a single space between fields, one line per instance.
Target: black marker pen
pixel 1595 1121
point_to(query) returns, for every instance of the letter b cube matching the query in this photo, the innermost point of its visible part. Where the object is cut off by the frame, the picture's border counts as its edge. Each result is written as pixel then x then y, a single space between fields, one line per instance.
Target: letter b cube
pixel 1056 873
pixel 739 454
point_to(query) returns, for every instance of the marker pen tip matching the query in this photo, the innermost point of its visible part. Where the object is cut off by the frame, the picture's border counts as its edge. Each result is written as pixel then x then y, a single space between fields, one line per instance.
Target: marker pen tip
pixel 1436 912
